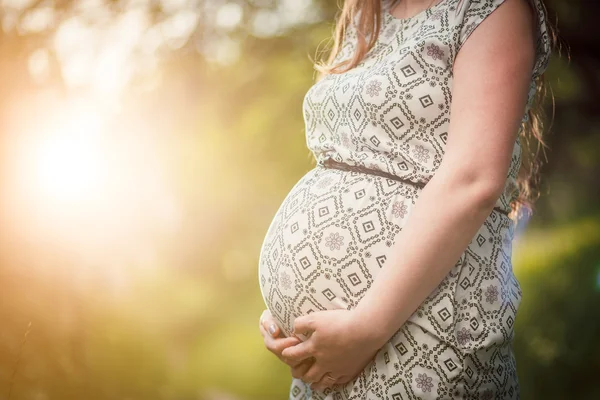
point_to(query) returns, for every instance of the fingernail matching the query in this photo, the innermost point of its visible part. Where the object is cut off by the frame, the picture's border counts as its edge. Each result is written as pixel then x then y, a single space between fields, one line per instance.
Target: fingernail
pixel 272 329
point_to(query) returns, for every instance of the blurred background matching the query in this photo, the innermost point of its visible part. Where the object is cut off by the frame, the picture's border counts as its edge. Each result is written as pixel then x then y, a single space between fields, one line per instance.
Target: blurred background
pixel 146 145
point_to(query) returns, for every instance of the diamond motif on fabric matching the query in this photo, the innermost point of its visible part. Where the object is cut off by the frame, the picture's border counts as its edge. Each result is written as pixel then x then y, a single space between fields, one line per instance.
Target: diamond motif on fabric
pixel 408 71
pixel 331 114
pixel 295 391
pixel 397 122
pixel 474 324
pixel 480 239
pixel 329 294
pixel 465 283
pixel 444 314
pixel 402 165
pixel 354 279
pixel 305 262
pixel 444 136
pixel 469 372
pixel 426 101
pixel 450 364
pixel 401 348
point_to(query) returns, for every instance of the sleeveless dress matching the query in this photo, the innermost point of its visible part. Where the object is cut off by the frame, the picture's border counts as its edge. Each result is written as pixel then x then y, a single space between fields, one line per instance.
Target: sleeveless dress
pixel 335 229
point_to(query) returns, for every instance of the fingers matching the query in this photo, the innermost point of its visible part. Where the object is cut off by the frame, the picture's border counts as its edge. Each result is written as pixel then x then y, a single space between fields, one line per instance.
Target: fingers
pixel 276 346
pixel 314 374
pixel 299 352
pixel 279 345
pixel 327 381
pixel 304 324
pixel 344 379
pixel 294 364
pixel 302 368
pixel 267 321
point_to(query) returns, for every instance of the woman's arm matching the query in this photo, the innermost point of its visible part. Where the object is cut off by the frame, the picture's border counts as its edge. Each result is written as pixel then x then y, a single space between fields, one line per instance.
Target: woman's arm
pixel 492 74
pixel 491 80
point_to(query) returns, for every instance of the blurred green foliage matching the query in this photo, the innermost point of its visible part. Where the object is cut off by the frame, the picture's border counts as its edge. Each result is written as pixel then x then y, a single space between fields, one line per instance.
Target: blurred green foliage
pixel 556 339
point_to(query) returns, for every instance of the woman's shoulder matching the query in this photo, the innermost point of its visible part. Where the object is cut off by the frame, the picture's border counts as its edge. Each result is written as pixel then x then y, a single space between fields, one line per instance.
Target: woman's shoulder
pixel 466 15
pixel 449 24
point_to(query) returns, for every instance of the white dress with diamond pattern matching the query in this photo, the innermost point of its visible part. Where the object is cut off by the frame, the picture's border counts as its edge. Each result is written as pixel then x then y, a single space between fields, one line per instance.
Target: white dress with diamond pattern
pixel 335 229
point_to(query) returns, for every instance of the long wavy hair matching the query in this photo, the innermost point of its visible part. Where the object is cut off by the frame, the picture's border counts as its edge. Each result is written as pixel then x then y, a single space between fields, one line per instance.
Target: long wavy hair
pixel 368 28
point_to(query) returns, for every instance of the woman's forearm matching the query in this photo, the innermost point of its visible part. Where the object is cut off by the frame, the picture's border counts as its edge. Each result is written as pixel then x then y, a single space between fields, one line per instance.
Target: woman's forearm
pixel 448 213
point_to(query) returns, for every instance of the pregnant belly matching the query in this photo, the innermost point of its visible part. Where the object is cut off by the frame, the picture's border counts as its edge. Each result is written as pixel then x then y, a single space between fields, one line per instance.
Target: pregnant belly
pixel 328 240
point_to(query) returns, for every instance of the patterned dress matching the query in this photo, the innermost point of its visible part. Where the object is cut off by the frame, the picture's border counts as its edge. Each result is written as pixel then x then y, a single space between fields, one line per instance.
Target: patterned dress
pixel 336 228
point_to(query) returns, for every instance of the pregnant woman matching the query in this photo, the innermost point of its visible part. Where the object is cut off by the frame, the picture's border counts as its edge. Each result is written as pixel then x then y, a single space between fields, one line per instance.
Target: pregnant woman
pixel 387 269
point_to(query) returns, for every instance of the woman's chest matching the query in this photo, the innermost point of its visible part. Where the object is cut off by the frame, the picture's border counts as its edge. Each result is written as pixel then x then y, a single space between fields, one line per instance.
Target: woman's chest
pixel 404 80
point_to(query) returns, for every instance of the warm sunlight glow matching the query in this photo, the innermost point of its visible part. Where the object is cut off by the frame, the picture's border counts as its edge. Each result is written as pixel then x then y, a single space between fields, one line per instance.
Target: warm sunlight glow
pixel 69 164
pixel 96 186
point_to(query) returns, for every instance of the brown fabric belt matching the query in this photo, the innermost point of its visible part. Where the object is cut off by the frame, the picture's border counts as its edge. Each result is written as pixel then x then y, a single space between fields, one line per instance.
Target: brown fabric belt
pixel 331 163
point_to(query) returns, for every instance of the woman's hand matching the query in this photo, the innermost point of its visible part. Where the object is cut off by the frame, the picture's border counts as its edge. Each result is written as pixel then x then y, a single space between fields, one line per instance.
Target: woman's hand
pixel 341 345
pixel 270 331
